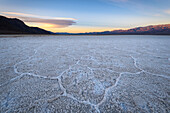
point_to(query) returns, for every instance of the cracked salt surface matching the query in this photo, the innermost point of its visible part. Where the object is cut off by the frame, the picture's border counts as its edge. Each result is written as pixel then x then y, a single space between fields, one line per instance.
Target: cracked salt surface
pixel 85 74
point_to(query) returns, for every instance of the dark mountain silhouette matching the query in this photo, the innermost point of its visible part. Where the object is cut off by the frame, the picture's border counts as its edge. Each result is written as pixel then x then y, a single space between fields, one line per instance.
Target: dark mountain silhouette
pixel 16 26
pixel 148 30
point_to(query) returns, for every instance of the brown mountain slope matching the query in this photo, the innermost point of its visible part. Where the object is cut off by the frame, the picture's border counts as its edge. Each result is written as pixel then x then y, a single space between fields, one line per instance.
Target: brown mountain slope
pixel 153 29
pixel 148 30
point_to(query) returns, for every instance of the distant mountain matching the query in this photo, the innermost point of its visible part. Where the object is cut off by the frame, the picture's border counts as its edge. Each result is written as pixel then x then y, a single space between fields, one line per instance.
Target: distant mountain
pixel 16 26
pixel 148 30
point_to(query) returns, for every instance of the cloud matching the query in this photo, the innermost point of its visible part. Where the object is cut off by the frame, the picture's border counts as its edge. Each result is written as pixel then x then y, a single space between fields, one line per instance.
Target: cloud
pixel 56 22
pixel 53 22
pixel 19 14
pixel 167 11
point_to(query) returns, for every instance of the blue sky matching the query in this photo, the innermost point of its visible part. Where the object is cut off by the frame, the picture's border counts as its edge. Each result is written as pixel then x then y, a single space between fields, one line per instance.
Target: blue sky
pixel 87 15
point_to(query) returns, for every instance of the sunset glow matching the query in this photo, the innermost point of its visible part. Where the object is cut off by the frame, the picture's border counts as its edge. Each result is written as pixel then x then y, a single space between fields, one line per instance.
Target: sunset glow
pixel 75 16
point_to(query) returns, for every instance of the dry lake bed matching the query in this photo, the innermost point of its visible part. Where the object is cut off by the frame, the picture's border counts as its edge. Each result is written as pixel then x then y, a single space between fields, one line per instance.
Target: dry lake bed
pixel 85 74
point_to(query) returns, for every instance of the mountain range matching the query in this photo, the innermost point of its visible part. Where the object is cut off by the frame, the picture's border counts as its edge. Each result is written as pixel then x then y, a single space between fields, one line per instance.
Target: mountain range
pixel 148 30
pixel 16 26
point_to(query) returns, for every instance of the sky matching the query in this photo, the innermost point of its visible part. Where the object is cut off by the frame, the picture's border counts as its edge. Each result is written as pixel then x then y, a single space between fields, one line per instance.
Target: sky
pixel 75 16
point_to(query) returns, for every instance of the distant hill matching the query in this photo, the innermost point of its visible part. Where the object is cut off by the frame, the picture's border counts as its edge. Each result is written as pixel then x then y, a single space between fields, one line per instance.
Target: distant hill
pixel 153 29
pixel 148 30
pixel 16 26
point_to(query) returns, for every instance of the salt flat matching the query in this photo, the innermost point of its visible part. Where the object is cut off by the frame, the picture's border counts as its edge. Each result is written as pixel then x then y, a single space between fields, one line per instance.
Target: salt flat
pixel 80 74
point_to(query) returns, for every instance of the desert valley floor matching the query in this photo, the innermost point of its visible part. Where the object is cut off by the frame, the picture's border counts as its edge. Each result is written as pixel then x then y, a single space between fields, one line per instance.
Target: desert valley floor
pixel 78 74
